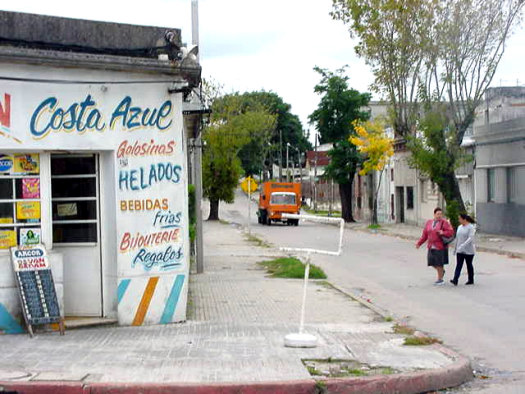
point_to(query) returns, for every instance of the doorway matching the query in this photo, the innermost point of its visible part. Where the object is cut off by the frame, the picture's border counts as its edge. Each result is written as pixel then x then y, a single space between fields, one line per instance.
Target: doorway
pixel 75 203
pixel 400 202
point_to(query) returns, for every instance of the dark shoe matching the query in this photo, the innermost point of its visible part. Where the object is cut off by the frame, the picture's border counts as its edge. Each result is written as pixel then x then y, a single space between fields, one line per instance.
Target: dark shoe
pixel 469 283
pixel 454 282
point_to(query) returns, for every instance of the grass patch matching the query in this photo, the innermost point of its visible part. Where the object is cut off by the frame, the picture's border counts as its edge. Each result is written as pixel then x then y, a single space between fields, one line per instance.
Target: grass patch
pixel 256 240
pixel 374 226
pixel 402 329
pixel 338 368
pixel 221 221
pixel 420 341
pixel 291 267
pixel 334 214
pixel 388 318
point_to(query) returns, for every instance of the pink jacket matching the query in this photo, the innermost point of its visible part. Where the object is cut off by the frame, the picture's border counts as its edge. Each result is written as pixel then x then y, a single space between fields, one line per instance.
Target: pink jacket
pixel 431 234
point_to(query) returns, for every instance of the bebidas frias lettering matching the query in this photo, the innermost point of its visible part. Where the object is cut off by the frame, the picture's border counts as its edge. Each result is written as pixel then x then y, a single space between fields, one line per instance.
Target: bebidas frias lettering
pixel 143 178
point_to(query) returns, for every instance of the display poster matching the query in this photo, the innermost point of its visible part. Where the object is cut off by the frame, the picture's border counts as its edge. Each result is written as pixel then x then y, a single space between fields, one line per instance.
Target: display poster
pixel 28 210
pixel 27 164
pixel 6 220
pixel 30 188
pixel 7 239
pixel 36 286
pixel 30 236
pixel 6 164
pixel 68 209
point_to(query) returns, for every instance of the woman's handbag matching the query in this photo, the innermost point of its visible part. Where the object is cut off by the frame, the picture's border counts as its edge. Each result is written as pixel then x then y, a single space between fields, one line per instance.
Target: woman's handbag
pixel 446 240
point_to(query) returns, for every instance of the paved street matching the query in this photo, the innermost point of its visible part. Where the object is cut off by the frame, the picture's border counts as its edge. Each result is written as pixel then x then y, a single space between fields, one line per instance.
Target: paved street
pixel 485 322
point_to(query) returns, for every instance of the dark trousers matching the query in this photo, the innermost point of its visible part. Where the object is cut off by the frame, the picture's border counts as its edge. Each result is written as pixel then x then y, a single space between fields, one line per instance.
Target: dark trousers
pixel 460 258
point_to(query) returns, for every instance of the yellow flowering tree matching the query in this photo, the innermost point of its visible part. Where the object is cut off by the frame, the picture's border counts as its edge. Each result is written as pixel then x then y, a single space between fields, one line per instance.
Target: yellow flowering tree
pixel 372 141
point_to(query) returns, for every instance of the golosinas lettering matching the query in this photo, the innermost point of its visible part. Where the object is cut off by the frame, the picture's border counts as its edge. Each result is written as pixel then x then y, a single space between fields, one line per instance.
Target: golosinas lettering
pixel 143 178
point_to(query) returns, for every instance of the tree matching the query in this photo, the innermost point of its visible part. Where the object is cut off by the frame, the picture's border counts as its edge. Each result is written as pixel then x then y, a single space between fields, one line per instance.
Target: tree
pixel 433 59
pixel 338 108
pixel 288 129
pixel 372 141
pixel 232 127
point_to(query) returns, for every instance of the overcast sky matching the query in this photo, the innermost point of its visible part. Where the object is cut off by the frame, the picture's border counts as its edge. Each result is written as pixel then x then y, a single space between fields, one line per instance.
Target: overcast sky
pixel 249 45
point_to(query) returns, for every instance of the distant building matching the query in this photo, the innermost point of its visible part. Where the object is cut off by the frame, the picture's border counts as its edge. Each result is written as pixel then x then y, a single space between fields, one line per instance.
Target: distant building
pixel 499 134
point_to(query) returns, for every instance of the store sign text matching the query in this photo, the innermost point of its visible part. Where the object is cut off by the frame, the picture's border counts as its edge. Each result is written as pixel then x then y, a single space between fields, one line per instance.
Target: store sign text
pixel 84 116
pixel 143 178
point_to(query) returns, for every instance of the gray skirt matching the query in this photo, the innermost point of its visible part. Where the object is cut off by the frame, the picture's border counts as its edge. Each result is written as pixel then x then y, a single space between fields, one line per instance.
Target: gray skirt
pixel 437 258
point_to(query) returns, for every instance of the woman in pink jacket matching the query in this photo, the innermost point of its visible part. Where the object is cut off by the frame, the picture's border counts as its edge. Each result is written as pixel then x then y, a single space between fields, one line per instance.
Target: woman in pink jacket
pixel 433 233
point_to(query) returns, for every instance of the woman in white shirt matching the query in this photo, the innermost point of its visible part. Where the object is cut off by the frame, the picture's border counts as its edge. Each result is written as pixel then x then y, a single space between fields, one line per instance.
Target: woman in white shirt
pixel 465 249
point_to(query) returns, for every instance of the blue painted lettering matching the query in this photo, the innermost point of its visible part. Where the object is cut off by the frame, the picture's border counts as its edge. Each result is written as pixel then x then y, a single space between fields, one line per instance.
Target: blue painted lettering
pixel 82 117
pixel 167 219
pixel 167 259
pixel 132 117
pixel 140 179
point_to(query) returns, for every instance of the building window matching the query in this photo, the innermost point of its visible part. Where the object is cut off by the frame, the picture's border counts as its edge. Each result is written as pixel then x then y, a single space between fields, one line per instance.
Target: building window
pixel 491 185
pixel 410 197
pixel 512 184
pixel 19 200
pixel 74 190
pixel 392 174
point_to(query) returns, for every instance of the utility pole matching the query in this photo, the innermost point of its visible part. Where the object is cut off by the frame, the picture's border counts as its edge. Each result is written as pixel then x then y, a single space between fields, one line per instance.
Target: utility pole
pixel 280 155
pixel 197 155
pixel 315 174
pixel 287 167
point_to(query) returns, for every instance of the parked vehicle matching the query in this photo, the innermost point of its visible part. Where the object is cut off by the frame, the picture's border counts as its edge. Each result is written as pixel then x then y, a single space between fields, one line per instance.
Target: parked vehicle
pixel 277 198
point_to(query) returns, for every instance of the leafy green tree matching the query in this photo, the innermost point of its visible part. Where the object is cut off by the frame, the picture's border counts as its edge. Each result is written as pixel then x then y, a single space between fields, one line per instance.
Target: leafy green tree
pixel 288 129
pixel 338 108
pixel 232 127
pixel 433 60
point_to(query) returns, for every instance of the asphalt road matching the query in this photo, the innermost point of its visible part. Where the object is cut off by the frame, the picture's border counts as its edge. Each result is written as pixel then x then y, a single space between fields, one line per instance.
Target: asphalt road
pixel 485 322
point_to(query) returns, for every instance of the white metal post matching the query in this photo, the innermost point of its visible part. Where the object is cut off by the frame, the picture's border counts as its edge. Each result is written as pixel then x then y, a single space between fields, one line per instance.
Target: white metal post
pixel 305 286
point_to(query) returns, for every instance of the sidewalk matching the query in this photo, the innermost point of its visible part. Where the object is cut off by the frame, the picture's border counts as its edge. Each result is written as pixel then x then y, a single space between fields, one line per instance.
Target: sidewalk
pixel 233 341
pixel 501 244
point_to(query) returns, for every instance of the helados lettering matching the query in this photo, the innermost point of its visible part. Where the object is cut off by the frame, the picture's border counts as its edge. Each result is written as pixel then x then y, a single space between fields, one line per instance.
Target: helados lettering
pixel 141 178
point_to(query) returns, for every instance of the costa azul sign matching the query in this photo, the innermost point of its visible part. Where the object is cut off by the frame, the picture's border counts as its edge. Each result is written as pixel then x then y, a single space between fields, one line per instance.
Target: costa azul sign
pixel 140 126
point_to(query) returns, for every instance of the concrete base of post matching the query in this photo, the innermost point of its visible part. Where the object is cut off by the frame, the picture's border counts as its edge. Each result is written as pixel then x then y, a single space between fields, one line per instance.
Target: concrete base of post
pixel 300 340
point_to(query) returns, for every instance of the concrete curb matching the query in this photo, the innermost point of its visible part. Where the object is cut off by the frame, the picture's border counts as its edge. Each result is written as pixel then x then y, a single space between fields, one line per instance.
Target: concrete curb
pixel 415 382
pixel 479 248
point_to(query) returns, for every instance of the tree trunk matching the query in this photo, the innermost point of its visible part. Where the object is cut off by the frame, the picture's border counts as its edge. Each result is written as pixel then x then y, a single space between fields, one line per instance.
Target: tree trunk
pixel 345 192
pixel 214 210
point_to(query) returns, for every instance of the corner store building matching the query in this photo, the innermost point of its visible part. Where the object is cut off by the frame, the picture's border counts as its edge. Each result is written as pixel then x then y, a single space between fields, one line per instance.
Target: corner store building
pixel 93 161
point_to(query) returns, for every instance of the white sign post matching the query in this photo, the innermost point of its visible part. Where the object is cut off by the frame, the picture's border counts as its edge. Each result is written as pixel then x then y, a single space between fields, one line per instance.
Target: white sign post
pixel 302 339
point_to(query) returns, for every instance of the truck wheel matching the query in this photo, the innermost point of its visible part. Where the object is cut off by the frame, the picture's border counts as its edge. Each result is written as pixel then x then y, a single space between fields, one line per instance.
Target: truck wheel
pixel 296 222
pixel 268 221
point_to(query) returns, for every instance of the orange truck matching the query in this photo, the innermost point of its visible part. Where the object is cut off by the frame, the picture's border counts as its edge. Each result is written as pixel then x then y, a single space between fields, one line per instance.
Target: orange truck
pixel 277 198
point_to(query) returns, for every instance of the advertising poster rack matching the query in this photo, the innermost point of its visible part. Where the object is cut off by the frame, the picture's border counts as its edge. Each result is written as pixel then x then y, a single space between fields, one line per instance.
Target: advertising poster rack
pixel 34 280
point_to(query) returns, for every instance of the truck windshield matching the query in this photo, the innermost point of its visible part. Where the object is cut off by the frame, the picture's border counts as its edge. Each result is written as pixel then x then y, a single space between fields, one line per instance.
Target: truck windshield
pixel 282 199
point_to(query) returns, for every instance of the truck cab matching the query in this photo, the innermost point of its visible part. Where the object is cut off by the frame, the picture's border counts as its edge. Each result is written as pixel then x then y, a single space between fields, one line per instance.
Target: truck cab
pixel 277 198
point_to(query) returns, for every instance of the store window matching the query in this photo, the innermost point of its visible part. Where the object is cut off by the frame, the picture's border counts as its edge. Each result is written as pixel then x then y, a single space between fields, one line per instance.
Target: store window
pixel 19 200
pixel 491 185
pixel 410 197
pixel 74 198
